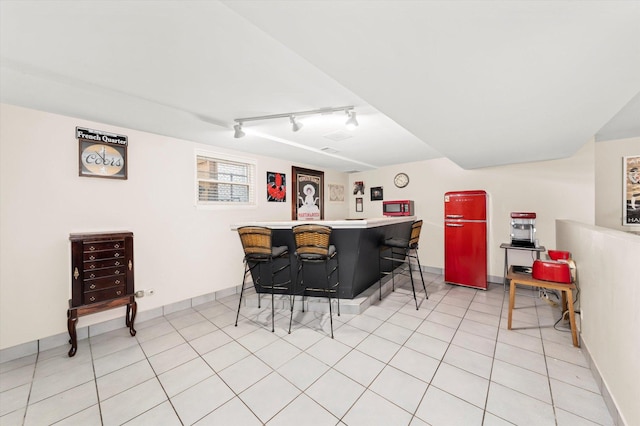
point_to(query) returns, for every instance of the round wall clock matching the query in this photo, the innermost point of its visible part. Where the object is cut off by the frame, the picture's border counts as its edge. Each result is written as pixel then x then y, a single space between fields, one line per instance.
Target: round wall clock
pixel 401 180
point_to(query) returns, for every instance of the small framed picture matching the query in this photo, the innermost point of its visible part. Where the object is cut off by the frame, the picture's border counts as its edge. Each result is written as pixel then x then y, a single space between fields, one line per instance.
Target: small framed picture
pixel 631 191
pixel 359 204
pixel 101 154
pixel 276 187
pixel 358 187
pixel 376 193
pixel 336 193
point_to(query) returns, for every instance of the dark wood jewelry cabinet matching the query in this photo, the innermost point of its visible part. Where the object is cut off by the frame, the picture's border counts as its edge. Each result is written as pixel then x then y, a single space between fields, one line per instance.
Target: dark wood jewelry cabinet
pixel 101 278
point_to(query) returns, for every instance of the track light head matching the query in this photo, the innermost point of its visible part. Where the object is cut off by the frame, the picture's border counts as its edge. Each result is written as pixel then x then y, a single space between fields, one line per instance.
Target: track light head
pixel 295 124
pixel 237 131
pixel 351 122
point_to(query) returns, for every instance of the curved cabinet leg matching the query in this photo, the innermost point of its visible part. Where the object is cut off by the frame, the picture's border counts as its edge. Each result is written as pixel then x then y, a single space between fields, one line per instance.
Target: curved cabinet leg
pixel 131 316
pixel 72 320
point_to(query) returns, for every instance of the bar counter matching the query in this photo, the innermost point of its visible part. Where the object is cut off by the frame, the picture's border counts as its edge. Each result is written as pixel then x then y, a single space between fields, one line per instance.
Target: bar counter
pixel 356 242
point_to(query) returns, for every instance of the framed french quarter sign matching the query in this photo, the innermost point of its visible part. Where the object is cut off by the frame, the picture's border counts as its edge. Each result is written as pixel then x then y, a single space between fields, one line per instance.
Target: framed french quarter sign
pixel 102 154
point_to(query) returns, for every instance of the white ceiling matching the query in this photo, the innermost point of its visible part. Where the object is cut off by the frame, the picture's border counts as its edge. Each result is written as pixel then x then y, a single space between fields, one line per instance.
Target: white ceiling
pixel 482 83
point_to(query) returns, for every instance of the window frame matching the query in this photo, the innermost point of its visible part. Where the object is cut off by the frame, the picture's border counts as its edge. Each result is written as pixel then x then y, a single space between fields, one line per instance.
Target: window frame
pixel 226 158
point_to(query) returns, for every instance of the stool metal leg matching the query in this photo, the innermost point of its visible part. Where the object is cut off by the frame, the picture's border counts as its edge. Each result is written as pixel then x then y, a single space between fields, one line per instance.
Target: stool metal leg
pixel 413 287
pixel 328 292
pixel 293 297
pixel 244 278
pixel 338 284
pixel 273 321
pixel 415 251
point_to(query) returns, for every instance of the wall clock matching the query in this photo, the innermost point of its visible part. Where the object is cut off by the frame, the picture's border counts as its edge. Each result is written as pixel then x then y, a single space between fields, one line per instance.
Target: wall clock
pixel 401 180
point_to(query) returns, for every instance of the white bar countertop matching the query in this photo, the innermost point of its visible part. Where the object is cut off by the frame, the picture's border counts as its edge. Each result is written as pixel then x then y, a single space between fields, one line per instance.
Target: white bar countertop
pixel 335 224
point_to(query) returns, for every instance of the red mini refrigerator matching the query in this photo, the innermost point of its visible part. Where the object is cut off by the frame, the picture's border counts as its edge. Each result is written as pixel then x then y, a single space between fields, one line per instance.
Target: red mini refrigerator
pixel 465 238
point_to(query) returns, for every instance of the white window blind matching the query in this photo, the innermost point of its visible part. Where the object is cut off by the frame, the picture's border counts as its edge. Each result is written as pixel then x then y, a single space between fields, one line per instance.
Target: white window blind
pixel 225 182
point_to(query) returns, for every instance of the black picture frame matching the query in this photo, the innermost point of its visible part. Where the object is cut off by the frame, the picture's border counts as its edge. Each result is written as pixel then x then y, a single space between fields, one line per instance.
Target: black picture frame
pixel 276 187
pixel 307 200
pixel 376 193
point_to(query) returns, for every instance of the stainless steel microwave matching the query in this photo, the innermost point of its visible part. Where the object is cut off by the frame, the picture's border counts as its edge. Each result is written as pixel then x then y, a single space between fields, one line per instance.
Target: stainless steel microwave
pixel 398 208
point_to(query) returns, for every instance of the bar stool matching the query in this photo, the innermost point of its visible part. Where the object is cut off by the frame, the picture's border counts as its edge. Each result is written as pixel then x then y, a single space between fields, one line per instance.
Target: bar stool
pixel 256 242
pixel 312 247
pixel 406 249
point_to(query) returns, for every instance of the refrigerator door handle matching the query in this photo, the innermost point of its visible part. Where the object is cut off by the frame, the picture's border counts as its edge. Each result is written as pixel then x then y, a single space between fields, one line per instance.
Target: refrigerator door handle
pixel 454 216
pixel 455 225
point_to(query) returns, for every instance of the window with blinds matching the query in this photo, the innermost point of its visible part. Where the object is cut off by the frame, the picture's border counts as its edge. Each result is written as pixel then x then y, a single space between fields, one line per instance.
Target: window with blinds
pixel 225 182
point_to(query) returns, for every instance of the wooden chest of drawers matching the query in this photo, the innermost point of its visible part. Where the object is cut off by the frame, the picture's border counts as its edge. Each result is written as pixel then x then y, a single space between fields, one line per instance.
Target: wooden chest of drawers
pixel 101 277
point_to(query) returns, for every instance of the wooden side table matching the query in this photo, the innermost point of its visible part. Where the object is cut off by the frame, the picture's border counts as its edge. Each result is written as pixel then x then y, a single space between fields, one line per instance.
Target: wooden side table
pixel 565 289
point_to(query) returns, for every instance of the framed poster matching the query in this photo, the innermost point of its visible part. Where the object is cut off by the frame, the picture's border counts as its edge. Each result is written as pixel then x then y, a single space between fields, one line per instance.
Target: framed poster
pixel 336 193
pixel 631 188
pixel 308 194
pixel 359 204
pixel 376 193
pixel 276 187
pixel 358 187
pixel 101 154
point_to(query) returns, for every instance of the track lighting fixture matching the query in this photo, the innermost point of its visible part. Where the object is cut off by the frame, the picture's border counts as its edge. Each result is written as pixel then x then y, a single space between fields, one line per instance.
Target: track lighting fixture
pixel 293 118
pixel 237 129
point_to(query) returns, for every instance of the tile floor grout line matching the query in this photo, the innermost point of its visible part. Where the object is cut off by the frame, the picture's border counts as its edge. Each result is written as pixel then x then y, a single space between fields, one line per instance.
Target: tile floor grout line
pixel 441 361
pixel 493 361
pixel 157 377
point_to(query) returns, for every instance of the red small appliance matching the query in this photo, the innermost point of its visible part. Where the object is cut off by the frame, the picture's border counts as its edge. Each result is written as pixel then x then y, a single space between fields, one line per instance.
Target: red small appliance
pixel 551 270
pixel 398 208
pixel 558 269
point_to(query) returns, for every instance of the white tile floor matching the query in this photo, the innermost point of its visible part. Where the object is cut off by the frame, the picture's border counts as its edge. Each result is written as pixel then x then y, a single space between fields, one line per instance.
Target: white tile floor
pixel 453 362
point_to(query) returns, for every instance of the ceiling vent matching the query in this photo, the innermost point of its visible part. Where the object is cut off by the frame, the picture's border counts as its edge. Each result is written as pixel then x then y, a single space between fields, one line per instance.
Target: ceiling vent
pixel 329 150
pixel 338 135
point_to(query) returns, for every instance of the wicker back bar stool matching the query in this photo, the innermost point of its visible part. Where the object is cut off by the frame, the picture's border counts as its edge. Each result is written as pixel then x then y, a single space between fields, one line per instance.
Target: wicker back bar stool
pixel 259 253
pixel 312 247
pixel 402 250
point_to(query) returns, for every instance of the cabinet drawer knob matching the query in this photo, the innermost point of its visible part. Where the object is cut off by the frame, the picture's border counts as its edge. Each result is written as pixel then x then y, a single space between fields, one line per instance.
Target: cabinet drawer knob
pixel 92 248
pixel 92 286
pixel 92 266
pixel 76 274
pixel 92 299
pixel 117 263
pixel 92 276
pixel 118 292
pixel 92 258
pixel 116 255
pixel 117 281
pixel 117 272
pixel 116 245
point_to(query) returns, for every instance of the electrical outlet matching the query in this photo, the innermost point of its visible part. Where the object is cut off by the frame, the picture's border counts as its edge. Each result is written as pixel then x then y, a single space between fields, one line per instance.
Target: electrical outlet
pixel 581 315
pixel 140 293
pixel 150 292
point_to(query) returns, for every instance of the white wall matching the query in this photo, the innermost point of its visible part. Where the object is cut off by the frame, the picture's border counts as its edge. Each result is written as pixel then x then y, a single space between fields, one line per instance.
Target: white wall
pixel 607 261
pixel 184 252
pixel 559 189
pixel 609 182
pixel 180 251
